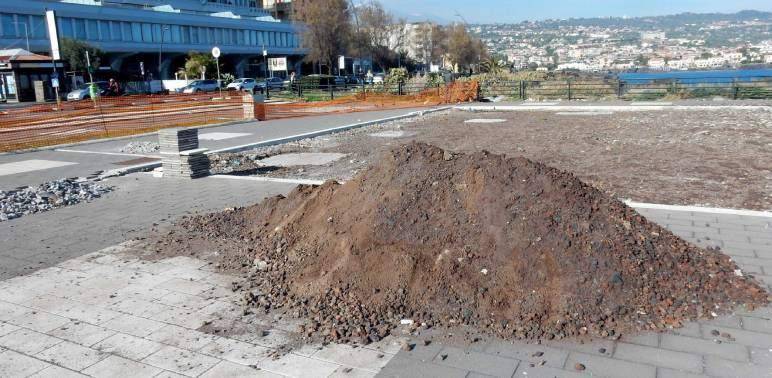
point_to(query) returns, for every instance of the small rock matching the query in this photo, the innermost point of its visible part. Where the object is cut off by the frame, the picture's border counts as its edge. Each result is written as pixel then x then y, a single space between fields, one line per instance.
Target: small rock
pixel 444 357
pixel 537 354
pixel 579 367
pixel 715 332
pixel 602 350
pixel 447 155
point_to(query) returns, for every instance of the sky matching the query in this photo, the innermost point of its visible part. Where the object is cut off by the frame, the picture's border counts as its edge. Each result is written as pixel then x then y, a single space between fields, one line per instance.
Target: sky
pixel 511 11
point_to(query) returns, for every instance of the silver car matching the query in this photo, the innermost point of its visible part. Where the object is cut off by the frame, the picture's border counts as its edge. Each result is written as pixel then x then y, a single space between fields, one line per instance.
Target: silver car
pixel 200 86
pixel 82 92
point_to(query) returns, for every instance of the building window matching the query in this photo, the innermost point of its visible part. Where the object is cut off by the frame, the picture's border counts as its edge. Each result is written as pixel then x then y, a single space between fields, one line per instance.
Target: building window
pixel 210 35
pixel 126 31
pixel 194 34
pixel 80 28
pixel 176 37
pixel 217 35
pixel 38 29
pixel 104 30
pixel 8 26
pixel 93 30
pixel 65 27
pixel 115 30
pixel 185 33
pixel 147 33
pixel 136 32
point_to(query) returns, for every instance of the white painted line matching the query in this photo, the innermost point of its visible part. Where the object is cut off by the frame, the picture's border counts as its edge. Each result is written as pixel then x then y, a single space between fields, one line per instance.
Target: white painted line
pixel 539 103
pixel 105 153
pixel 271 179
pixel 485 120
pixel 584 113
pixel 608 108
pixel 30 166
pixel 711 210
pixel 221 136
pixel 650 103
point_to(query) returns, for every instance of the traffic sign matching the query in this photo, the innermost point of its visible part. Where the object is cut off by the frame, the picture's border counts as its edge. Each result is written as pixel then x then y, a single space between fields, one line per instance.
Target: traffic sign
pixel 216 52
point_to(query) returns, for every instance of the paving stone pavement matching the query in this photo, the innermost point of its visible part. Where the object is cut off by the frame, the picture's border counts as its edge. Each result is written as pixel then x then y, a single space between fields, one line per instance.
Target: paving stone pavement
pixel 139 200
pixel 64 312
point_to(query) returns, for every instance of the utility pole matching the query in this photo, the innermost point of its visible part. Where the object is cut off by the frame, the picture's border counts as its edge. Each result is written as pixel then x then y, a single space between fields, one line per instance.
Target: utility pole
pixel 26 32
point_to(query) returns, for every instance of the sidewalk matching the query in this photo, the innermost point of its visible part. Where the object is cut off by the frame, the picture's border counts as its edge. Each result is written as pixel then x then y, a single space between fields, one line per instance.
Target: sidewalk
pixel 33 168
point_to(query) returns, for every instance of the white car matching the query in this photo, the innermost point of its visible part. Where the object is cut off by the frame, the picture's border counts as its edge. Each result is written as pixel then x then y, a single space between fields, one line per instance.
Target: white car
pixel 242 85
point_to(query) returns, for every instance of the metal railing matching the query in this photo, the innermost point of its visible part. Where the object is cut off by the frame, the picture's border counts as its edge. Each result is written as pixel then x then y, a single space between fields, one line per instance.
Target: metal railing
pixel 745 88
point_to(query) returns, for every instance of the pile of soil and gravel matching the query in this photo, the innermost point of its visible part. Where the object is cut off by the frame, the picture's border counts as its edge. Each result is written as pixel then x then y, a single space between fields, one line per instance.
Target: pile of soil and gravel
pixel 507 246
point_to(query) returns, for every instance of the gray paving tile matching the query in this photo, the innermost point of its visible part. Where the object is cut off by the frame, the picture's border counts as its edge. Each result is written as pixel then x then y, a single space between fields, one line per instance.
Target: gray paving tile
pixel 660 357
pixel 719 367
pixel 115 366
pixel 609 367
pixel 477 362
pixel 403 367
pixel 726 350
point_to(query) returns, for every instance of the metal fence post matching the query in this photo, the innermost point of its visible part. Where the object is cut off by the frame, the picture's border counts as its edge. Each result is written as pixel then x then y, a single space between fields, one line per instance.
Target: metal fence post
pixel 619 88
pixel 569 89
pixel 267 91
pixel 735 89
pixel 332 91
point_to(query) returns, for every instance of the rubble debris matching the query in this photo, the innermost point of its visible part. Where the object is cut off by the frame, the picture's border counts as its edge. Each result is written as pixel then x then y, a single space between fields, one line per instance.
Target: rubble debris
pixel 48 196
pixel 141 148
pixel 599 269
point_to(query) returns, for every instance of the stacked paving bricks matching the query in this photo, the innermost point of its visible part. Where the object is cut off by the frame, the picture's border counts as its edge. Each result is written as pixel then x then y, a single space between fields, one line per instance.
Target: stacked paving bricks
pixel 181 156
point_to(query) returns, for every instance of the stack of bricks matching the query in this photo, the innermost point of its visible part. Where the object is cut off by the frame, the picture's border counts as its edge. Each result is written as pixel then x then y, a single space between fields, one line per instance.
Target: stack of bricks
pixel 181 156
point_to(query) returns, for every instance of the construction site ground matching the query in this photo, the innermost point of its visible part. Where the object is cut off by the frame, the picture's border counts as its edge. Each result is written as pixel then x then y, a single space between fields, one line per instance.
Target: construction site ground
pixel 75 300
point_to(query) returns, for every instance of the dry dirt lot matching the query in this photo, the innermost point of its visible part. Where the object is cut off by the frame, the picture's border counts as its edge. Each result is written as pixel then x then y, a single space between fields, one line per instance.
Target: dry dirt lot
pixel 713 157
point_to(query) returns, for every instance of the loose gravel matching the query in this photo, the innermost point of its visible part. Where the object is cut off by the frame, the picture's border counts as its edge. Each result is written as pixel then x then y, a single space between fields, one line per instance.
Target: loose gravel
pixel 141 148
pixel 48 196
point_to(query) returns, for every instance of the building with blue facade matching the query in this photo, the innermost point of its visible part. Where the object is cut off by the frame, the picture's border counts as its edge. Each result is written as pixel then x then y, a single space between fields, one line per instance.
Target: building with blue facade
pixel 134 31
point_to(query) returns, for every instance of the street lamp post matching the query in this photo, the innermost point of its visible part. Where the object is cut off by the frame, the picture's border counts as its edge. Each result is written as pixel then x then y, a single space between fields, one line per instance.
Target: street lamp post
pixel 26 32
pixel 160 50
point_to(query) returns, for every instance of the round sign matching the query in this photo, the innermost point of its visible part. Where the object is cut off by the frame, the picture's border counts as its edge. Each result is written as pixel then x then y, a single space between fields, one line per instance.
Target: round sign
pixel 216 52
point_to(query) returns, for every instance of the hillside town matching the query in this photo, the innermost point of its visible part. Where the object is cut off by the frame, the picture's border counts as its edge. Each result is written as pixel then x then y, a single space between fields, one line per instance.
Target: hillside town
pixel 668 43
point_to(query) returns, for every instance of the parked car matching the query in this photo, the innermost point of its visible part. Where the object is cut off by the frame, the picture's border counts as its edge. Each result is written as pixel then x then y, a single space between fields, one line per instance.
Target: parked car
pixel 270 83
pixel 378 79
pixel 82 92
pixel 244 84
pixel 353 80
pixel 339 81
pixel 200 86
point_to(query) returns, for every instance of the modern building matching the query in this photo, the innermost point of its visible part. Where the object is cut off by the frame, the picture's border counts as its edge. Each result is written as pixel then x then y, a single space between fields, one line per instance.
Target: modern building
pixel 25 76
pixel 156 33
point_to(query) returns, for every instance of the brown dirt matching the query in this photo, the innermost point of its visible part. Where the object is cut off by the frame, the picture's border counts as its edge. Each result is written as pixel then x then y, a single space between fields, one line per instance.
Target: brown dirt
pixel 508 246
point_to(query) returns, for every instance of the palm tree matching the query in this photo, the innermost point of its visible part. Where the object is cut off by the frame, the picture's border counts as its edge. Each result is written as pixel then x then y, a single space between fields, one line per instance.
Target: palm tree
pixel 492 66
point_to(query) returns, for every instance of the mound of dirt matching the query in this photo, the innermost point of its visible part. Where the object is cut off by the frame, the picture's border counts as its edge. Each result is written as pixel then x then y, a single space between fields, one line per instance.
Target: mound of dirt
pixel 507 246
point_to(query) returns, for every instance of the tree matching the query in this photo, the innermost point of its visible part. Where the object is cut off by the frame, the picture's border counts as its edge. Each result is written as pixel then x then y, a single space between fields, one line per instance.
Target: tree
pixel 431 43
pixel 326 29
pixel 493 66
pixel 464 50
pixel 200 63
pixel 376 26
pixel 74 53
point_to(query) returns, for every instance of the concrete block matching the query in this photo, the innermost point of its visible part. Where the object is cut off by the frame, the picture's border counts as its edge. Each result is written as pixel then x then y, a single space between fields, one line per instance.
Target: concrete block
pixel 348 372
pixel 726 350
pixel 133 325
pixel 13 364
pixel 761 356
pixel 408 367
pixel 6 328
pixel 609 367
pixel 128 346
pixel 670 373
pixel 54 371
pixel 82 333
pixel 525 352
pixel 743 337
pixel 184 286
pixel 659 357
pixel 71 355
pixel 115 366
pixel 181 337
pixel 758 324
pixel 181 361
pixel 236 351
pixel 646 338
pixel 28 341
pixel 525 370
pixel 353 357
pixel 298 366
pixel 477 362
pixel 719 367
pixel 39 321
pixel 226 369
pixel 9 310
